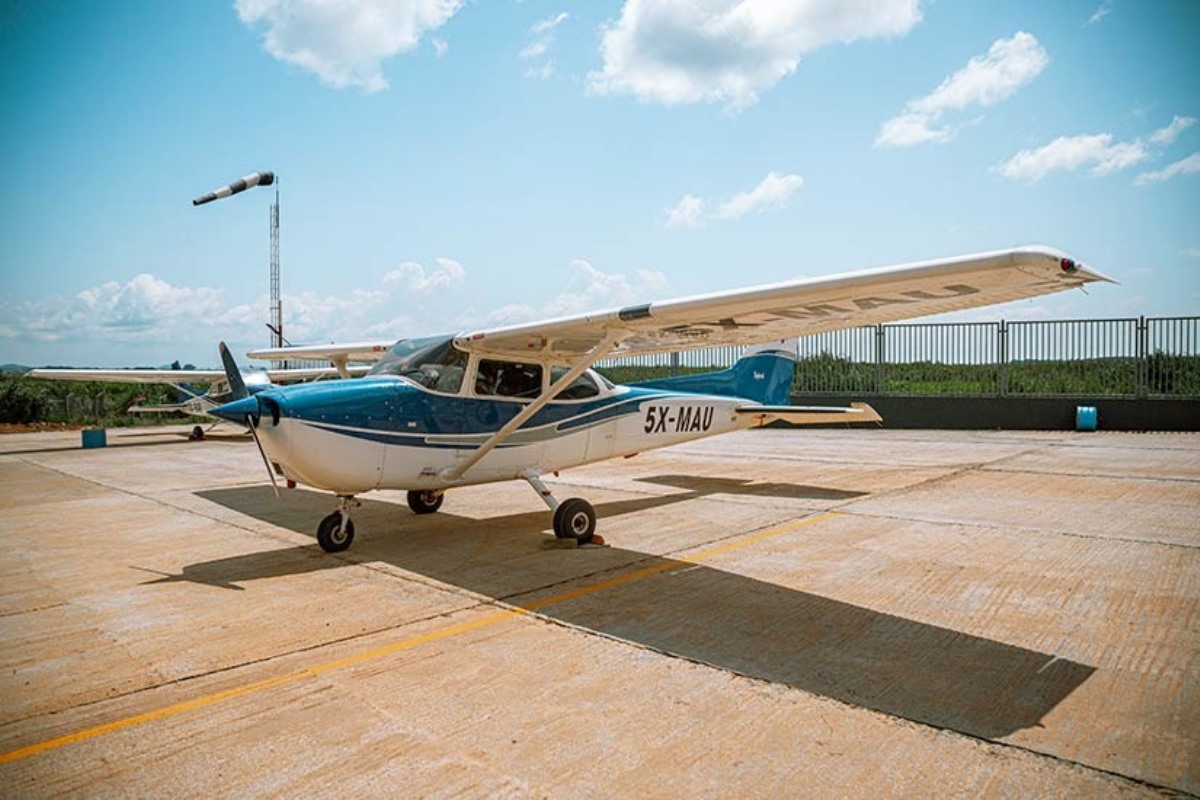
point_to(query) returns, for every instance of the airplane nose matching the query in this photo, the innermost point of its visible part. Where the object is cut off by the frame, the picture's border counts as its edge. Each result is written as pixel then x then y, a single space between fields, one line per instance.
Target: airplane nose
pixel 238 411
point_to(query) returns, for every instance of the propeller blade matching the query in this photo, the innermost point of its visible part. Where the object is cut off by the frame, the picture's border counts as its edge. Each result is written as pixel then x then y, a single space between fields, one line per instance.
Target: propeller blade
pixel 252 424
pixel 237 386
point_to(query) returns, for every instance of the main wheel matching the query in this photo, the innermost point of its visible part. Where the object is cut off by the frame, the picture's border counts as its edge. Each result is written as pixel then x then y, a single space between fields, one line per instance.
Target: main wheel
pixel 575 519
pixel 197 434
pixel 425 502
pixel 332 535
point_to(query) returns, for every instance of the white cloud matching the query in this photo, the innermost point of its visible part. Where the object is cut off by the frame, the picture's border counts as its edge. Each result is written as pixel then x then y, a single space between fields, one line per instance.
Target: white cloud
pixel 158 317
pixel 550 23
pixel 587 289
pixel 1100 13
pixel 1072 152
pixel 1101 153
pixel 772 193
pixel 985 81
pixel 688 213
pixel 413 277
pixel 345 42
pixel 1186 166
pixel 713 51
pixel 1192 252
pixel 151 321
pixel 143 309
pixel 541 45
pixel 1167 135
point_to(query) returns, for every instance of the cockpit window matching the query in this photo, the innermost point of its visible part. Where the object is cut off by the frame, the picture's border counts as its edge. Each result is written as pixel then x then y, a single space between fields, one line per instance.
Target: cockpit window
pixel 432 362
pixel 508 379
pixel 581 388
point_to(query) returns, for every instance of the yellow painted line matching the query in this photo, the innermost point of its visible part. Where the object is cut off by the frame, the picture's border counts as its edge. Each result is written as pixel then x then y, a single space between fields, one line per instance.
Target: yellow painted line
pixel 396 647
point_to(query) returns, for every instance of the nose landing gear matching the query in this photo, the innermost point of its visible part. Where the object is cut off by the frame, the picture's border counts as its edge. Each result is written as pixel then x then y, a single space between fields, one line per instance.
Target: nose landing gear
pixel 336 531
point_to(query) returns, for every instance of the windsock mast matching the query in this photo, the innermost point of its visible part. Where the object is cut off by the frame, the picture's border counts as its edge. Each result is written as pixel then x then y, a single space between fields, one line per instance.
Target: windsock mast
pixel 264 178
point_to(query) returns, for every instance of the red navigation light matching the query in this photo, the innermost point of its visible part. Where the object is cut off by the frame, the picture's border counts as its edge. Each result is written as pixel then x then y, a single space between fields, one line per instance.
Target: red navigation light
pixel 1068 265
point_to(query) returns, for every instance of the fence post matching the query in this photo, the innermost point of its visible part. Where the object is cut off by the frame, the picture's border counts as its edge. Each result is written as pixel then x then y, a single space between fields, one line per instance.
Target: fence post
pixel 880 353
pixel 674 368
pixel 1142 357
pixel 1002 356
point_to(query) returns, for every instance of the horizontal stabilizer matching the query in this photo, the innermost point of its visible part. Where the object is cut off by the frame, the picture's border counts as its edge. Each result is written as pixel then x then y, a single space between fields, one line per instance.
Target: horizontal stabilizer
pixel 812 415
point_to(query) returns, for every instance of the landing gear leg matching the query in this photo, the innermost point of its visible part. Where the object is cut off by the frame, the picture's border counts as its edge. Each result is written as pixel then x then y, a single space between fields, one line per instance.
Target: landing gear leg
pixel 574 518
pixel 336 532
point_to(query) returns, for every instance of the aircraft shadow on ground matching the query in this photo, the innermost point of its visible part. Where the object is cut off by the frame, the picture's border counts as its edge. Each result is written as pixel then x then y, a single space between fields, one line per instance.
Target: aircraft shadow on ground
pixel 852 654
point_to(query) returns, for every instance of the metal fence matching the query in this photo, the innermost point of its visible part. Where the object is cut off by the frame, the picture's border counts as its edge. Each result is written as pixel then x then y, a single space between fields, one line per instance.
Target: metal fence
pixel 1135 357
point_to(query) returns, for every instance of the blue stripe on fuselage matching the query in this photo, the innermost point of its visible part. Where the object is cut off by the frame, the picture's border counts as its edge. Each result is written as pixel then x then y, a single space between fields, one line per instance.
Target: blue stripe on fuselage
pixel 393 411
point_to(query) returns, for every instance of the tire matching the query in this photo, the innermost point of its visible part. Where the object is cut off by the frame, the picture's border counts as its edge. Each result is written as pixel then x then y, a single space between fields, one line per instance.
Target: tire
pixel 197 434
pixel 575 519
pixel 330 538
pixel 425 502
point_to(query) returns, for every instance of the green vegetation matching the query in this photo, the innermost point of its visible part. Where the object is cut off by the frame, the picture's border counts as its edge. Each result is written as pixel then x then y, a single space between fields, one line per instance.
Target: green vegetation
pixel 1161 375
pixel 28 400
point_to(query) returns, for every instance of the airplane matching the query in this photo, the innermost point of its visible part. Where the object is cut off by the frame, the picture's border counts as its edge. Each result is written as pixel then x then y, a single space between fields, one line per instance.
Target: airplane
pixel 520 402
pixel 223 384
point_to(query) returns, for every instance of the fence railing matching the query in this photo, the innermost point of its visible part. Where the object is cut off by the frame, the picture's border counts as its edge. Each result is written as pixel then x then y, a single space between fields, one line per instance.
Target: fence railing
pixel 1134 357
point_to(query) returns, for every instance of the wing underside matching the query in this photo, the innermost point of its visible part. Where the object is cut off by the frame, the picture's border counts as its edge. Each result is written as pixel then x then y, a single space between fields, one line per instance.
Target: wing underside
pixel 795 308
pixel 171 377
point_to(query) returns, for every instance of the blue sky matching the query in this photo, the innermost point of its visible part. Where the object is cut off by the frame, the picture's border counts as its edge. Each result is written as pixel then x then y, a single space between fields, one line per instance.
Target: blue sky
pixel 448 165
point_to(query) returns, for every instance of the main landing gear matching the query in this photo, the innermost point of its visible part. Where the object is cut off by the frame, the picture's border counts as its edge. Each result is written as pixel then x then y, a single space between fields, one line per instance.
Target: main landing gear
pixel 336 532
pixel 574 518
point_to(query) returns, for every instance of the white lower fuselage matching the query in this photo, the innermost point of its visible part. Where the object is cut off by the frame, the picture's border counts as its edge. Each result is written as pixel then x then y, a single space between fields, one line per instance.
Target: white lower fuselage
pixel 349 459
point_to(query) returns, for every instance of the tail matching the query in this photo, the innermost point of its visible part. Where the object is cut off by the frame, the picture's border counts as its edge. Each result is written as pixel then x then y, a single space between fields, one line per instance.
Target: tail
pixel 763 375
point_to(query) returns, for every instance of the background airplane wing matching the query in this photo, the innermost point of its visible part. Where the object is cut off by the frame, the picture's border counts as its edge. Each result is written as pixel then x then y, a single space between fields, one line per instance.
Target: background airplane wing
pixel 295 375
pixel 796 308
pixel 334 353
pixel 167 376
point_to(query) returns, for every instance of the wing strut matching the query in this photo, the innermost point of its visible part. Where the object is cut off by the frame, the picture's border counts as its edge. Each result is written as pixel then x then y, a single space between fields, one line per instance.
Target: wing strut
pixel 606 346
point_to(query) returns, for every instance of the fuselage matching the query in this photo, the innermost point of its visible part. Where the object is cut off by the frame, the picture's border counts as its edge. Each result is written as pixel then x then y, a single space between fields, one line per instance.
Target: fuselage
pixel 389 433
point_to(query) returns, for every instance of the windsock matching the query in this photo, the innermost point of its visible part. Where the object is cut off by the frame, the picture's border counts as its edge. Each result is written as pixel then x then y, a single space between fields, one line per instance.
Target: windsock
pixel 253 179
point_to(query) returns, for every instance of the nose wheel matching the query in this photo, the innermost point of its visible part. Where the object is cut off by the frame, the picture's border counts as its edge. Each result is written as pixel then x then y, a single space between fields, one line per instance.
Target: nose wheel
pixel 336 531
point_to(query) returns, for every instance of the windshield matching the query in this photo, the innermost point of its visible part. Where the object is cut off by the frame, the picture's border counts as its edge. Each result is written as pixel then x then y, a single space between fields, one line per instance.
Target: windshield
pixel 431 362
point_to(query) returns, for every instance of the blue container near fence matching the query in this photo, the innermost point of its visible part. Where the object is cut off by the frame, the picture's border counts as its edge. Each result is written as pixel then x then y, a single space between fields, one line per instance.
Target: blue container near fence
pixel 1085 418
pixel 94 437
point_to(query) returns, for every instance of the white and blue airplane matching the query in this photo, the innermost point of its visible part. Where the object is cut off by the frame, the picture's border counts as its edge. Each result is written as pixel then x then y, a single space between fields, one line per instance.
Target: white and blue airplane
pixel 520 402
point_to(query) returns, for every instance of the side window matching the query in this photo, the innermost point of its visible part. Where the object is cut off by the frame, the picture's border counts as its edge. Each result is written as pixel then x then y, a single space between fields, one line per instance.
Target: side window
pixel 508 379
pixel 581 388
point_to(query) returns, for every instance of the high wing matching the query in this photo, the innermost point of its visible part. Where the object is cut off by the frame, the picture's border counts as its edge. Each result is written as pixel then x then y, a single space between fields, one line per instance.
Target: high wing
pixel 794 308
pixel 175 377
pixel 337 354
pixel 172 377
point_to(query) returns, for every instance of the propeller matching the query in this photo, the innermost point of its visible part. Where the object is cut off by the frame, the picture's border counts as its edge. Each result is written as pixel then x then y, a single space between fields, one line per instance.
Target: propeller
pixel 241 397
pixel 237 386
pixel 252 424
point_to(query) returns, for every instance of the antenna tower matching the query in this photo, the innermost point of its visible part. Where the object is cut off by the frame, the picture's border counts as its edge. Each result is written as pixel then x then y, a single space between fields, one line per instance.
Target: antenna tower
pixel 276 303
